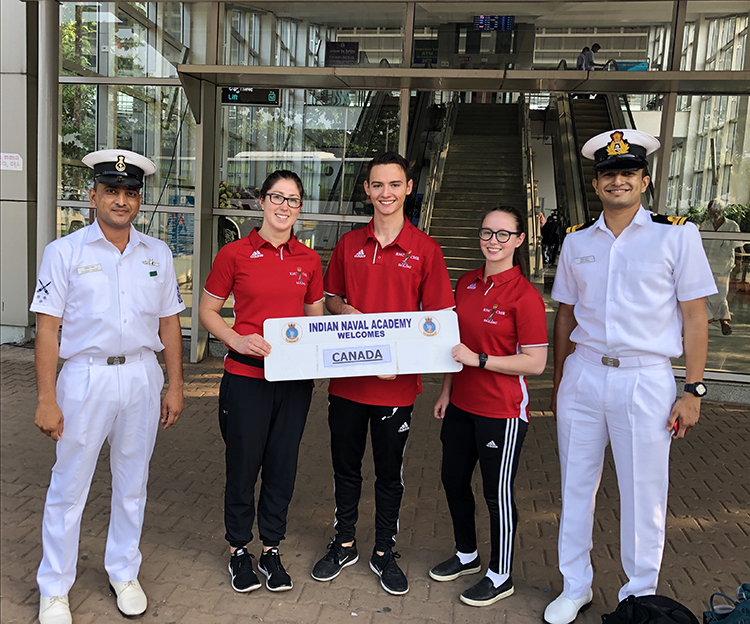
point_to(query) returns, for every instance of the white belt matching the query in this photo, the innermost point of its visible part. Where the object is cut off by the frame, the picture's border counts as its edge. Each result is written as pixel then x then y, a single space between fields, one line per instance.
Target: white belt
pixel 633 361
pixel 112 360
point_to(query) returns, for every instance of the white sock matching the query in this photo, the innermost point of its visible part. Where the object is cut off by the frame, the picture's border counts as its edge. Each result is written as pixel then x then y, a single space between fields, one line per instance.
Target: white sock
pixel 465 558
pixel 497 578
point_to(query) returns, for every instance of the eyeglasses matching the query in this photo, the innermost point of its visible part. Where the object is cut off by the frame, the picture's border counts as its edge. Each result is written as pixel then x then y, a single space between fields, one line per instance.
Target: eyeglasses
pixel 292 202
pixel 502 236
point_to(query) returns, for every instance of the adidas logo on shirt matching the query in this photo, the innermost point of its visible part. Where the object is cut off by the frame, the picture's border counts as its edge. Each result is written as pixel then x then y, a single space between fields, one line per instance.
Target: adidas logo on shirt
pixel 256 254
pixel 360 254
pixel 491 444
pixel 472 286
pixel 404 427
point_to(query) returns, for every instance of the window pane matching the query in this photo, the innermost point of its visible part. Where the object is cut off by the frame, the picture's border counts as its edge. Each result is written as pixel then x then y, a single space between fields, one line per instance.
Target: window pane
pixel 325 136
pixel 717 200
pixel 153 121
pixel 320 34
pixel 144 39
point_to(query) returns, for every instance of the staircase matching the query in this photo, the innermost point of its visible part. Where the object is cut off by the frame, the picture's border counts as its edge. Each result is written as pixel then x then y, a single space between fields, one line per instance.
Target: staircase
pixel 483 169
pixel 591 117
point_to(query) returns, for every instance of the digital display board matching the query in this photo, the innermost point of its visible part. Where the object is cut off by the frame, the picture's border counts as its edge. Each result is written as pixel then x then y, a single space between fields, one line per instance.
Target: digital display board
pixel 493 22
pixel 251 96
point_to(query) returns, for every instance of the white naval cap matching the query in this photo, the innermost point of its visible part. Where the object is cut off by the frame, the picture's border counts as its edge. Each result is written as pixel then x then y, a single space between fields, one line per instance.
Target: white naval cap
pixel 119 167
pixel 623 149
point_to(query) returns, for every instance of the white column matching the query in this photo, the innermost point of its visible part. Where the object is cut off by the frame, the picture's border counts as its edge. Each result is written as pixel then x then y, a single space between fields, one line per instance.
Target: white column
pixel 47 124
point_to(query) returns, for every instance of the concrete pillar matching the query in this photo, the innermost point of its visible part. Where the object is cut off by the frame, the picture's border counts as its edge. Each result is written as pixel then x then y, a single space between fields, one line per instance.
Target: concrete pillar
pixel 47 123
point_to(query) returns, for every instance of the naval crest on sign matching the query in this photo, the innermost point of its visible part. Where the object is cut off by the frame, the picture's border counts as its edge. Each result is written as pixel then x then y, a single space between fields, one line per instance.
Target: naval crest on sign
pixel 429 326
pixel 291 332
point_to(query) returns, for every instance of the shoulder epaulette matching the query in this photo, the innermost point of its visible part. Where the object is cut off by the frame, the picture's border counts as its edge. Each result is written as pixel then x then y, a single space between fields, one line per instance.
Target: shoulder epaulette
pixel 668 219
pixel 580 226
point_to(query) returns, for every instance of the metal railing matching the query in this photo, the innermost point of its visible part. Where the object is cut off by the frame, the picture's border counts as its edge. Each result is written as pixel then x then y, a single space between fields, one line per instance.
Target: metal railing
pixel 534 237
pixel 437 164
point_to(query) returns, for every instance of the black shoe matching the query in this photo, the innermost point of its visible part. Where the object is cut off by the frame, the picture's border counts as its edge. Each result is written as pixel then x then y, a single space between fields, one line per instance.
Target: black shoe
pixel 277 578
pixel 392 578
pixel 335 560
pixel 244 578
pixel 451 569
pixel 484 593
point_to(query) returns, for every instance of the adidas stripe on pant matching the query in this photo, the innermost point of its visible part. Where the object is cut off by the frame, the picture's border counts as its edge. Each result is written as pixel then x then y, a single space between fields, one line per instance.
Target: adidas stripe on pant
pixel 495 443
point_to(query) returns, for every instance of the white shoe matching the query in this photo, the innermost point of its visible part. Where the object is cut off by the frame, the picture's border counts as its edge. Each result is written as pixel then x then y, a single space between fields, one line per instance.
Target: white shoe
pixel 54 610
pixel 563 610
pixel 131 600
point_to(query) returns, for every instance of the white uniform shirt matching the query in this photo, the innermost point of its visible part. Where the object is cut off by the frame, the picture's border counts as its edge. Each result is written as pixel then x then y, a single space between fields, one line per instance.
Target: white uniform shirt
pixel 626 290
pixel 110 303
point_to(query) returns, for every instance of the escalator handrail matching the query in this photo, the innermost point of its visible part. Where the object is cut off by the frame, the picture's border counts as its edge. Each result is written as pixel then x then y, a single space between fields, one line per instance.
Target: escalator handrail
pixel 368 116
pixel 578 156
pixel 533 240
pixel 437 164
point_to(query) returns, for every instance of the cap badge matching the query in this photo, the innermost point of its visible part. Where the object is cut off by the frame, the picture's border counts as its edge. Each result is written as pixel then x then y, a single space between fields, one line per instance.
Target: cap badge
pixel 618 145
pixel 120 164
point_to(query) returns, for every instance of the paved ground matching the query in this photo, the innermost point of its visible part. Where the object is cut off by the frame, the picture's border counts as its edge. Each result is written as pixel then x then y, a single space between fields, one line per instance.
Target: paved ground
pixel 184 569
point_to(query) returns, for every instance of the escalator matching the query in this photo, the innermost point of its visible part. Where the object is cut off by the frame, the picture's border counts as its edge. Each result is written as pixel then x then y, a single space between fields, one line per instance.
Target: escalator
pixel 379 113
pixel 580 119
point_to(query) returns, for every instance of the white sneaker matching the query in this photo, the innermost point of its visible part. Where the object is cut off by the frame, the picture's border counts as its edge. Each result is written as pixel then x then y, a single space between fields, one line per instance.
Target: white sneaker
pixel 131 600
pixel 54 610
pixel 563 610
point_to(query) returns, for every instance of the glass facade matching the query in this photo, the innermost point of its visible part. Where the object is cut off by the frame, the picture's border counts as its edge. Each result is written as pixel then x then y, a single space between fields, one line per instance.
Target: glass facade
pixel 324 136
pixel 327 134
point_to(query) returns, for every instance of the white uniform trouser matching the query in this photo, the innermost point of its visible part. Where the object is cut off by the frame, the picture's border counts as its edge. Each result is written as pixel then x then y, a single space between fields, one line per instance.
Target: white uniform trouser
pixel 629 408
pixel 122 405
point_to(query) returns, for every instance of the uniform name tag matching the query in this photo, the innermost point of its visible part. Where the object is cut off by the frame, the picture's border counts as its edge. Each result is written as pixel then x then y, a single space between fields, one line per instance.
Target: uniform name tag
pixel 585 260
pixel 91 268
pixel 358 345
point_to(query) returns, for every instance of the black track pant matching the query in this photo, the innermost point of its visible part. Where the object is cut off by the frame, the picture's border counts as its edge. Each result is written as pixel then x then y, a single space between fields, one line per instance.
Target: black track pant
pixel 496 444
pixel 262 424
pixel 389 429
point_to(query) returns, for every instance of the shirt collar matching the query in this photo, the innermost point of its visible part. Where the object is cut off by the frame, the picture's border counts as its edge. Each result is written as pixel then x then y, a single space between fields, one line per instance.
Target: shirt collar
pixel 256 241
pixel 403 239
pixel 498 279
pixel 94 233
pixel 641 217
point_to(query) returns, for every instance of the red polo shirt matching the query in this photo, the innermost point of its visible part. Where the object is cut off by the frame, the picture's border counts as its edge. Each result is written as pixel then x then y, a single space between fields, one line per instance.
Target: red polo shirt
pixel 406 276
pixel 496 317
pixel 267 282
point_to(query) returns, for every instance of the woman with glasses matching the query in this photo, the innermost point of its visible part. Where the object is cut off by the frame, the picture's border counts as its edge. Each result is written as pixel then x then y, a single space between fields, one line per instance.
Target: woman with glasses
pixel 271 275
pixel 485 406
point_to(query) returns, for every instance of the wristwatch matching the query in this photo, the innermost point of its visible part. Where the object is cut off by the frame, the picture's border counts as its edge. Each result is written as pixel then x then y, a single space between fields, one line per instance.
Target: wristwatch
pixel 698 389
pixel 482 360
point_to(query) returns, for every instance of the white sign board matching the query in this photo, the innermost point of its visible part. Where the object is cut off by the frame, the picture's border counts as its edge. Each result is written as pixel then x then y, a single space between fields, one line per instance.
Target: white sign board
pixel 11 162
pixel 358 345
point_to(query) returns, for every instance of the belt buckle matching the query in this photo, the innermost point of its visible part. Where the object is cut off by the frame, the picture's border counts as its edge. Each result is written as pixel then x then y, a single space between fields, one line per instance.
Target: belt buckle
pixel 116 360
pixel 610 361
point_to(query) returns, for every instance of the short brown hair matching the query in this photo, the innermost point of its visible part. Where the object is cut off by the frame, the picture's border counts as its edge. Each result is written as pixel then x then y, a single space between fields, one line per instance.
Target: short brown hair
pixel 388 158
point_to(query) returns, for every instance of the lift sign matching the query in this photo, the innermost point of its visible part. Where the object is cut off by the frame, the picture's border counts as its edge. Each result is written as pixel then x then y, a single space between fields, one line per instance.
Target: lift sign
pixel 250 96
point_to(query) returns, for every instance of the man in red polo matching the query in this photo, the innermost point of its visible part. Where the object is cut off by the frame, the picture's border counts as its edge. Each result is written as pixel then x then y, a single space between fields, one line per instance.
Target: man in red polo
pixel 387 266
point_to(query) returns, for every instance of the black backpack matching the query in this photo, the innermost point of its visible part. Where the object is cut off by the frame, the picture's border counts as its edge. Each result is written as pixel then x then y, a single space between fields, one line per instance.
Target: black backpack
pixel 650 610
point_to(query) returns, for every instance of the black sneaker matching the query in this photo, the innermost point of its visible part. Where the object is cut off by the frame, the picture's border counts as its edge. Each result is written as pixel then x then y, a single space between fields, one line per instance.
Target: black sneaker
pixel 335 560
pixel 392 578
pixel 451 569
pixel 244 578
pixel 484 593
pixel 277 578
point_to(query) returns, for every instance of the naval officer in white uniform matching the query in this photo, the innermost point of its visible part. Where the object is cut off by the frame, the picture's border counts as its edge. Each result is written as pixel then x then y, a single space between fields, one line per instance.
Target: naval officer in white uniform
pixel 632 288
pixel 114 291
